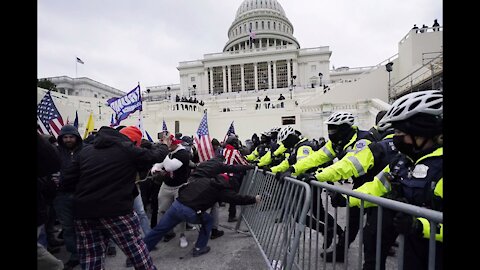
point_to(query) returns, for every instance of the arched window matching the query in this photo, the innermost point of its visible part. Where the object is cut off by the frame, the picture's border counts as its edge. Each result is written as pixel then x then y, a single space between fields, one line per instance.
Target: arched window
pixel 236 31
pixel 240 29
pixel 250 26
pixel 268 25
pixel 256 25
pixel 263 25
pixel 274 25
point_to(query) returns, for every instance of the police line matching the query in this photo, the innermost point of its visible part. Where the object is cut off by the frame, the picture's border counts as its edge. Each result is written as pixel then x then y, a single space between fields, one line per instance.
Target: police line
pixel 278 224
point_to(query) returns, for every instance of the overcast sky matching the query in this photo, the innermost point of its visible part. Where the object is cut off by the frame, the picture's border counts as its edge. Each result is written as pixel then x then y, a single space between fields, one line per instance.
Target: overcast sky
pixel 123 42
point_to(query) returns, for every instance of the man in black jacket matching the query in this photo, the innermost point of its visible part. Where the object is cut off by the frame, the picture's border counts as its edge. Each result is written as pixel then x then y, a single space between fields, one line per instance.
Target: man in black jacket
pixel 103 178
pixel 69 145
pixel 206 186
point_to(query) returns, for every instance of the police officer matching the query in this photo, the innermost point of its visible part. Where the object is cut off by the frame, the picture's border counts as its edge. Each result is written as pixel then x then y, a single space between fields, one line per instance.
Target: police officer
pixel 415 177
pixel 276 154
pixel 362 166
pixel 261 149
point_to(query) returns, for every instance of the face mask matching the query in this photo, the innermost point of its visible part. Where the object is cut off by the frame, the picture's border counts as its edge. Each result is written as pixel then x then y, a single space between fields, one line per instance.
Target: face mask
pixel 407 149
pixel 290 141
pixel 339 134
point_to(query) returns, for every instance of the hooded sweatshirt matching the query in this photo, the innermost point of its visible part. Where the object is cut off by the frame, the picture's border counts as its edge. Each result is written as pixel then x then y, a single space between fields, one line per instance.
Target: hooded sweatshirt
pixel 103 174
pixel 67 154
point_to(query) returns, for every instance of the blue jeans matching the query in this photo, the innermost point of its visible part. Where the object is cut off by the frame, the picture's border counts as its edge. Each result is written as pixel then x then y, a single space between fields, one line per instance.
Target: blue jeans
pixel 139 209
pixel 63 204
pixel 174 215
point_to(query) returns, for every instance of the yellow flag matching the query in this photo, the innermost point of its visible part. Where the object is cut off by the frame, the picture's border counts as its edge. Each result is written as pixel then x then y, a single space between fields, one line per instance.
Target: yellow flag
pixel 89 127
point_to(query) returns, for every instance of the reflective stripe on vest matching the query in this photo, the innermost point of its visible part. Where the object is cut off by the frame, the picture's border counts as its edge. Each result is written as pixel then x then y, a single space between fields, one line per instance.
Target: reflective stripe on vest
pixel 327 152
pixel 357 165
pixel 384 179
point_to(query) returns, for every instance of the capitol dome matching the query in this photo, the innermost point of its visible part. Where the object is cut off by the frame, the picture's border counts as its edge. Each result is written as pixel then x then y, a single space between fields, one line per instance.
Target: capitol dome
pixel 268 23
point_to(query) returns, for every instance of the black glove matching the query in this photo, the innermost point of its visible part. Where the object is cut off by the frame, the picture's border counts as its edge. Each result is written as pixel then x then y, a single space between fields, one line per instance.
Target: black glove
pixel 280 176
pixel 306 177
pixel 337 200
pixel 407 224
pixel 266 169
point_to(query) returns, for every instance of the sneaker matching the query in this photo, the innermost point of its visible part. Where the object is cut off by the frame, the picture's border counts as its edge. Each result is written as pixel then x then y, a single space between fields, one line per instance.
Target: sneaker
pixel 232 219
pixel 189 227
pixel 216 233
pixel 128 263
pixel 221 204
pixel 111 251
pixel 200 251
pixel 169 236
pixel 183 241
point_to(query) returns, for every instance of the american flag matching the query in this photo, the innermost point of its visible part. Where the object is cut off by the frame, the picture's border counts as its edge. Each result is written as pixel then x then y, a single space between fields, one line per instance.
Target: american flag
pixel 164 126
pixel 231 130
pixel 49 119
pixel 202 140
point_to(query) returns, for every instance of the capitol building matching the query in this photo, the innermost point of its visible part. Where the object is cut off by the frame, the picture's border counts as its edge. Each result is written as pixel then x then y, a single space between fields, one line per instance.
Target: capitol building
pixel 263 58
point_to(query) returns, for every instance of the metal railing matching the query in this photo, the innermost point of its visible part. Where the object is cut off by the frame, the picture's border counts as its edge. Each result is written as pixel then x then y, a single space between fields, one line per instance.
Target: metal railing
pixel 279 224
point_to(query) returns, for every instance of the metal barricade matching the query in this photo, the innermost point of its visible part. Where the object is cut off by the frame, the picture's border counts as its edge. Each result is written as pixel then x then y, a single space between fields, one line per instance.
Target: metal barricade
pixel 278 222
pixel 308 254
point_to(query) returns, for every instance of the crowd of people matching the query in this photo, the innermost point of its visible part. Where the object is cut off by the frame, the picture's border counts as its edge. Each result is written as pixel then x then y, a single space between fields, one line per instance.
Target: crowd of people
pixel 119 189
pixel 424 28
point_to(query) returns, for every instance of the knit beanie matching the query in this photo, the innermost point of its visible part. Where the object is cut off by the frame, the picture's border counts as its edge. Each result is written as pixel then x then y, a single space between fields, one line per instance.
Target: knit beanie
pixel 133 133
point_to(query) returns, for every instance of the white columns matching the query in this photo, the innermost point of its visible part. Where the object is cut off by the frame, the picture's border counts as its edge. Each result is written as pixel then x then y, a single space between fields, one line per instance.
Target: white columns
pixel 274 74
pixel 242 77
pixel 224 74
pixel 269 75
pixel 268 42
pixel 256 75
pixel 205 82
pixel 295 71
pixel 289 77
pixel 229 79
pixel 211 80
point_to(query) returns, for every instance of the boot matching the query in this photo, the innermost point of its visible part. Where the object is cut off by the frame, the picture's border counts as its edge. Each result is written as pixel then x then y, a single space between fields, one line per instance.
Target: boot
pixel 329 239
pixel 340 250
pixel 216 233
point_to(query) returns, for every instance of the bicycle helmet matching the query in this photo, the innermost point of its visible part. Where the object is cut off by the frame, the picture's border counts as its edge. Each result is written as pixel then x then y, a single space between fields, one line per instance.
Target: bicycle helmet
pixel 284 132
pixel 338 118
pixel 418 113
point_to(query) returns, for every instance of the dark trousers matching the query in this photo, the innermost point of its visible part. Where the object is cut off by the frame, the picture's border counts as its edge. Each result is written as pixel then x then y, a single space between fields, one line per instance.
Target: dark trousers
pixel 370 237
pixel 416 253
pixel 236 182
pixel 317 220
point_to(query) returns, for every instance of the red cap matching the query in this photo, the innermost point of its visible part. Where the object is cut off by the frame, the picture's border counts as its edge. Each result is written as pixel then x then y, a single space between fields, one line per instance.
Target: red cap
pixel 174 140
pixel 133 133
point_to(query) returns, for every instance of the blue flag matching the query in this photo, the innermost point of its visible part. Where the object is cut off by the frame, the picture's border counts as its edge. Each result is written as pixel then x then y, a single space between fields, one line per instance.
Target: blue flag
pixel 164 126
pixel 148 136
pixel 75 122
pixel 230 131
pixel 125 105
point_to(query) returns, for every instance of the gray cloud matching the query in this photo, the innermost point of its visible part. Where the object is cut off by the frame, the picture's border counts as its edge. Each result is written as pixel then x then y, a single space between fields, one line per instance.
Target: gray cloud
pixel 123 42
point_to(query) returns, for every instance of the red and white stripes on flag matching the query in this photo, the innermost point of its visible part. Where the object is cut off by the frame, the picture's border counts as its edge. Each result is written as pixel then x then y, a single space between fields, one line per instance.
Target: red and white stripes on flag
pixel 49 119
pixel 233 156
pixel 203 143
